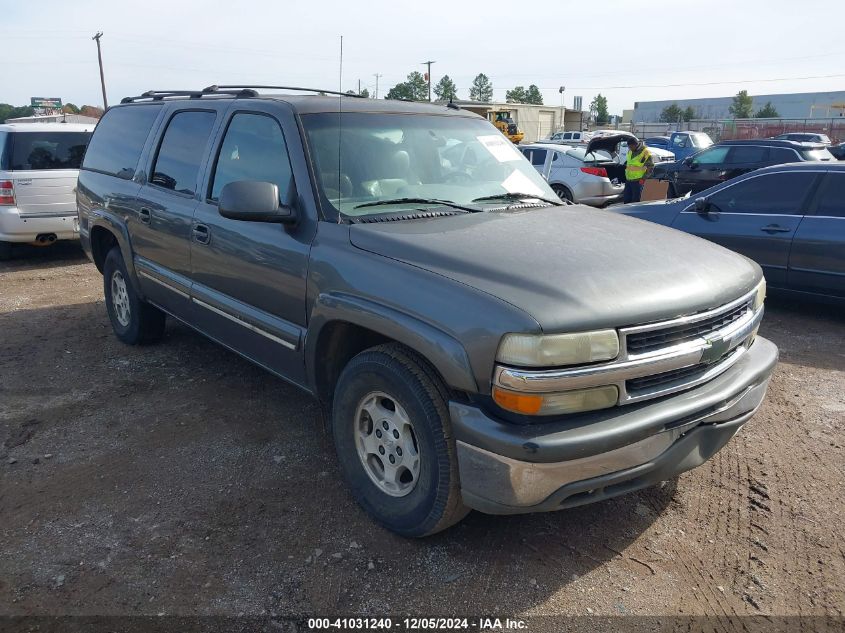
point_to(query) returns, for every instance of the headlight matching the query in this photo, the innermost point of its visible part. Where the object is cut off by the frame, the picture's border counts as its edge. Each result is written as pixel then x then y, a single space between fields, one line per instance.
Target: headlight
pixel 556 403
pixel 760 296
pixel 554 350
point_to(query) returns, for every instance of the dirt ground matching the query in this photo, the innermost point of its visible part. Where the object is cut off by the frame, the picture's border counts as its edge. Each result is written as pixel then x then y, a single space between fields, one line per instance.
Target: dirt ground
pixel 179 479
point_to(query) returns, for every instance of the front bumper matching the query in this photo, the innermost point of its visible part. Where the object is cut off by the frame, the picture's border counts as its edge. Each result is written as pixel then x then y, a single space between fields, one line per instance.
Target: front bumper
pixel 512 469
pixel 16 226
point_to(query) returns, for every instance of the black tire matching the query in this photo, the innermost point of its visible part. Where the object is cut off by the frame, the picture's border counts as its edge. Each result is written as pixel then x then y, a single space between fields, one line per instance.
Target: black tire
pixel 562 192
pixel 434 503
pixel 5 251
pixel 141 322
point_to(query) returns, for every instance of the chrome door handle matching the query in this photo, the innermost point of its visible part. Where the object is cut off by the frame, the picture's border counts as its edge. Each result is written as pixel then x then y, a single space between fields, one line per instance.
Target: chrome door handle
pixel 201 234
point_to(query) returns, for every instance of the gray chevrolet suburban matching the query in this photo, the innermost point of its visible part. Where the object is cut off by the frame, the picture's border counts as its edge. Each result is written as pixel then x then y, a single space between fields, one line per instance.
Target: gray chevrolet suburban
pixel 475 342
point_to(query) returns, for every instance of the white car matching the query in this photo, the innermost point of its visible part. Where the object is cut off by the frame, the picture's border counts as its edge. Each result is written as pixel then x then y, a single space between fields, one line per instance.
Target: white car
pixel 657 154
pixel 39 165
pixel 568 138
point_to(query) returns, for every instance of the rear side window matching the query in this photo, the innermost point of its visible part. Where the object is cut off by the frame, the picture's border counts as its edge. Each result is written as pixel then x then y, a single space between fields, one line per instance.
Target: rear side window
pixel 254 148
pixel 781 193
pixel 46 150
pixel 831 200
pixel 744 154
pixel 119 139
pixel 180 153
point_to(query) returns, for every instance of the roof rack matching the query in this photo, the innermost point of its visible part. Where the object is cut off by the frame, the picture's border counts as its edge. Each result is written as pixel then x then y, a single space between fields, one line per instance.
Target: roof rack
pixel 230 90
pixel 159 95
pixel 261 87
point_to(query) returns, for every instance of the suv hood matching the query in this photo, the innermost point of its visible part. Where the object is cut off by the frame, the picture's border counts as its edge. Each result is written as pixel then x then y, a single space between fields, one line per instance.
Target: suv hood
pixel 571 268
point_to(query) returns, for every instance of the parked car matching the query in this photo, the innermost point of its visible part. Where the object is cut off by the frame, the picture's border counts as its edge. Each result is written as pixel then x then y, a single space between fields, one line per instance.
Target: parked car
pixel 568 138
pixel 658 155
pixel 684 144
pixel 39 163
pixel 474 342
pixel 573 174
pixel 616 145
pixel 730 159
pixel 657 142
pixel 838 151
pixel 804 137
pixel 790 219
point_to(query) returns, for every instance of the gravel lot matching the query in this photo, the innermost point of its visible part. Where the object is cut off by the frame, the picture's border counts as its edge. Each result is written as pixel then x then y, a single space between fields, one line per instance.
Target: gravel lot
pixel 179 479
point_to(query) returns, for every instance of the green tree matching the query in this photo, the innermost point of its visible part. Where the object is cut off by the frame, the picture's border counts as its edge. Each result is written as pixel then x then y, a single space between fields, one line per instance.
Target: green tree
pixel 598 109
pixel 481 89
pixel 742 105
pixel 689 114
pixel 671 114
pixel 768 111
pixel 13 112
pixel 414 88
pixel 70 108
pixel 445 88
pixel 517 95
pixel 533 95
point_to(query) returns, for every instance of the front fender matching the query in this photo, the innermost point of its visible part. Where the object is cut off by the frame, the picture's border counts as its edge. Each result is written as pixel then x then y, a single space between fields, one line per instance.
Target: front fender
pixel 443 351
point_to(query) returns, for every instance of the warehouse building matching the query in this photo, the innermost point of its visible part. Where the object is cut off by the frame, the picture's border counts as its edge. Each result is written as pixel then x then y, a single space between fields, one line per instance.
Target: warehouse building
pixel 535 121
pixel 808 105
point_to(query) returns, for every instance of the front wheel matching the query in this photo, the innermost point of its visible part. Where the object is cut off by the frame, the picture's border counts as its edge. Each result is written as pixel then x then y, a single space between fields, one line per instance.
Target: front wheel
pixel 133 320
pixel 391 428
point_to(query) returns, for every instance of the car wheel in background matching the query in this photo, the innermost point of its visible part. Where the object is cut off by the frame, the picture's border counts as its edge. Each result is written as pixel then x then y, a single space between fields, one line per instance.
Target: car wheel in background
pixel 562 192
pixel 391 428
pixel 134 321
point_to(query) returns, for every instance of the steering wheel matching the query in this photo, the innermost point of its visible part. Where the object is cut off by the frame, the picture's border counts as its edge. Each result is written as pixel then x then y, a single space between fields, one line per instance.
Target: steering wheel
pixel 457 177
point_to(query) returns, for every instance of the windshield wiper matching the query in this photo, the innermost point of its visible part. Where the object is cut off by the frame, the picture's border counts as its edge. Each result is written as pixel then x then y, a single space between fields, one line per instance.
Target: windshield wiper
pixel 445 203
pixel 518 196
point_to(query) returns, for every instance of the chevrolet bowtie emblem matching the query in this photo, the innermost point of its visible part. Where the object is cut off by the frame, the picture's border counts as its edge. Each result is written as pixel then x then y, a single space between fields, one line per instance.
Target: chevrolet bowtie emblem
pixel 716 348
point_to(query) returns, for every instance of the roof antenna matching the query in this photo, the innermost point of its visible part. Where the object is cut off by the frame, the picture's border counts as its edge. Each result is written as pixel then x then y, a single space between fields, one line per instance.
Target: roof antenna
pixel 339 122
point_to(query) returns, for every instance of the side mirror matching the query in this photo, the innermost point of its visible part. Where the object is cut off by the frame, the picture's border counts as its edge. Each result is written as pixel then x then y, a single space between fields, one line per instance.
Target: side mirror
pixel 688 161
pixel 702 205
pixel 254 201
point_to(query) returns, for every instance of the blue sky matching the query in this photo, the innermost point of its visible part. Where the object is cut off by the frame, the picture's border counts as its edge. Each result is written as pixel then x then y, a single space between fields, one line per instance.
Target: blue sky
pixel 628 52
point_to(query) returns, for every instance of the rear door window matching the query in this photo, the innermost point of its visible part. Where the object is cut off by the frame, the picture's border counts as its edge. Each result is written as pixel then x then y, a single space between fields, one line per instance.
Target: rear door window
pixel 831 198
pixel 47 150
pixel 119 139
pixel 713 156
pixel 538 157
pixel 180 154
pixel 747 154
pixel 779 193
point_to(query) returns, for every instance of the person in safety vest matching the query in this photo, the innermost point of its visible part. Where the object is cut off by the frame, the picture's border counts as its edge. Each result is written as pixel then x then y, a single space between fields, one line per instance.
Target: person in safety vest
pixel 638 167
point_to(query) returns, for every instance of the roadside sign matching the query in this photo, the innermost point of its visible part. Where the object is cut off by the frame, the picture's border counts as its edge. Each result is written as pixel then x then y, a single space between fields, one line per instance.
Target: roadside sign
pixel 53 103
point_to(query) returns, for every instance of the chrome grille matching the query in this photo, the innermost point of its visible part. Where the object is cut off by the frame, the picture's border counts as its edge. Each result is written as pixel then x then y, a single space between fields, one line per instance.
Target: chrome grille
pixel 651 340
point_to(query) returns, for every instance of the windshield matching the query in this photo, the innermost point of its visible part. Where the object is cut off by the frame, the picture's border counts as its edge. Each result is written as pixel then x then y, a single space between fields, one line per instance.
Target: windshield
pixel 817 154
pixel 362 158
pixel 701 141
pixel 580 153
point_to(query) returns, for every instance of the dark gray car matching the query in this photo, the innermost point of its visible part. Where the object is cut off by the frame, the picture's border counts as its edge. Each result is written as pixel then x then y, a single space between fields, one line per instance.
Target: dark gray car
pixel 790 219
pixel 474 342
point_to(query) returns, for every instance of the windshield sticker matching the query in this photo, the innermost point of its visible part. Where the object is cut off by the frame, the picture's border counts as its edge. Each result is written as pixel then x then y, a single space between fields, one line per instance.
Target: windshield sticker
pixel 518 182
pixel 501 148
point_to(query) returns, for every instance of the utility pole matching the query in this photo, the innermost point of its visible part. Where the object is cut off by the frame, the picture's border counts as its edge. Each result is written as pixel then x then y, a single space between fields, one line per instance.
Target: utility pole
pixel 429 63
pixel 96 38
pixel 377 75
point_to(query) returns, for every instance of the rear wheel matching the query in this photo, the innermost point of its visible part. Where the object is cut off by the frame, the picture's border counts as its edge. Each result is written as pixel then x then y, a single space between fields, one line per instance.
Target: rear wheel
pixel 133 320
pixel 390 423
pixel 5 251
pixel 562 192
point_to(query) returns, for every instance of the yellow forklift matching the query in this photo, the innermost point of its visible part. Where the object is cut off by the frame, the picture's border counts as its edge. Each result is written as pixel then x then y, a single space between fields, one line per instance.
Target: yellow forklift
pixel 504 122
